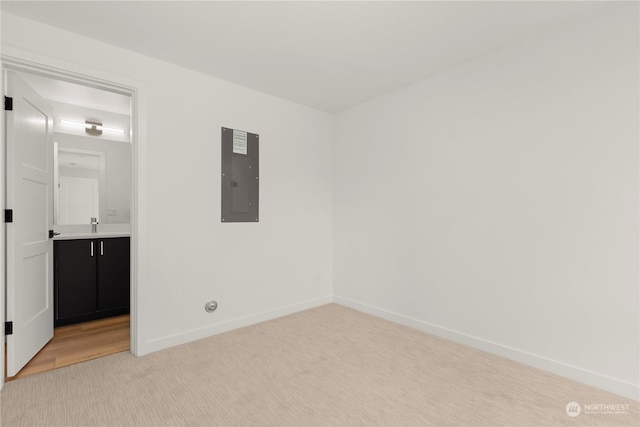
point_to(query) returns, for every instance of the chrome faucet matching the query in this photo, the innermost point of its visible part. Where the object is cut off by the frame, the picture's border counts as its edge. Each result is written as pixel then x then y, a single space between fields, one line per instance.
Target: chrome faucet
pixel 94 224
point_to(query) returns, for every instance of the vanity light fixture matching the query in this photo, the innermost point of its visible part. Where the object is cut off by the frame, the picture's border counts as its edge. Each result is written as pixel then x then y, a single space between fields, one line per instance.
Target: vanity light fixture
pixel 92 128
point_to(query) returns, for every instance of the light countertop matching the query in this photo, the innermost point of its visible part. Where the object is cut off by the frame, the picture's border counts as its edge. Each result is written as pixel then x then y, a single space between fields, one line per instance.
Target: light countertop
pixel 98 235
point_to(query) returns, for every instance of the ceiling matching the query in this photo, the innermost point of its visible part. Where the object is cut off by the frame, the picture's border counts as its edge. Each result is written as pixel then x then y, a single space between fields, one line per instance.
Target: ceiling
pixel 326 55
pixel 71 93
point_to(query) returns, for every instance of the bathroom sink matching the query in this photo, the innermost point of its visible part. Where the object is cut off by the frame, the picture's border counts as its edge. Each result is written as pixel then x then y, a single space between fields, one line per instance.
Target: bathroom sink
pixel 88 235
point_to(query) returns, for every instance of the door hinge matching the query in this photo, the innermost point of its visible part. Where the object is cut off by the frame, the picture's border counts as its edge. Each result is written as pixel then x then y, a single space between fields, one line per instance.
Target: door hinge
pixel 8 328
pixel 8 103
pixel 8 215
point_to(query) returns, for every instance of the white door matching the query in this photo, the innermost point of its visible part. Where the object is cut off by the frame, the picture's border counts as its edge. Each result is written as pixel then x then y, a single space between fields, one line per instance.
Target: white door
pixel 29 249
pixel 78 200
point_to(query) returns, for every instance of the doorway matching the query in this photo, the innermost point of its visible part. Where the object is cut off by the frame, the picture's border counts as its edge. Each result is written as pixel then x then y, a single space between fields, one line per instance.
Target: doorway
pixel 83 99
pixel 79 343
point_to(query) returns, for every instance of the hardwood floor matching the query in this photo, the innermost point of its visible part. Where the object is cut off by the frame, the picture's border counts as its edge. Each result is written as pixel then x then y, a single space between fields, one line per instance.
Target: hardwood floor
pixel 79 343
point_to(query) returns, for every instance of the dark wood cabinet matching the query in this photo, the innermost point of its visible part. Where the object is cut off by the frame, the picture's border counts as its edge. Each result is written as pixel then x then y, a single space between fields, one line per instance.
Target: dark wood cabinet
pixel 92 278
pixel 113 274
pixel 75 278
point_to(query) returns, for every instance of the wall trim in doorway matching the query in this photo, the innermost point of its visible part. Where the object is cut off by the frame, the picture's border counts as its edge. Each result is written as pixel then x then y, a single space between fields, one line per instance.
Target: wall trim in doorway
pixel 25 61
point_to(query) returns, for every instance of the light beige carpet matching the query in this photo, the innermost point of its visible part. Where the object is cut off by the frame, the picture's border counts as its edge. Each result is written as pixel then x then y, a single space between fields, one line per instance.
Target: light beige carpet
pixel 326 366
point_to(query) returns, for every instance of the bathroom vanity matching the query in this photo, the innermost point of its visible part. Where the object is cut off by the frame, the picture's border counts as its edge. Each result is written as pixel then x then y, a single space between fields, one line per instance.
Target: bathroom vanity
pixel 91 276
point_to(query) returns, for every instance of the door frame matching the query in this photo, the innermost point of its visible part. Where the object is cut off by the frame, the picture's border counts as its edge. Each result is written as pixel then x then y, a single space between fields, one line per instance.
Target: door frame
pixel 25 61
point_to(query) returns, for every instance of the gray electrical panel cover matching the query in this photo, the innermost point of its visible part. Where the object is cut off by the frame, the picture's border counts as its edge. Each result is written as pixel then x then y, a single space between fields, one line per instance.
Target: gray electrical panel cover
pixel 239 176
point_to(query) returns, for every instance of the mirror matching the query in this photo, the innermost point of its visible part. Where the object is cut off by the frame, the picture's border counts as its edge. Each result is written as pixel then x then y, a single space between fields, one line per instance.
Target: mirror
pixel 92 179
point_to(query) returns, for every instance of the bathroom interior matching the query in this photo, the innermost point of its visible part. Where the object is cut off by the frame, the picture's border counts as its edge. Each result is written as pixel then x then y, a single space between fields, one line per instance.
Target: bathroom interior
pixel 92 194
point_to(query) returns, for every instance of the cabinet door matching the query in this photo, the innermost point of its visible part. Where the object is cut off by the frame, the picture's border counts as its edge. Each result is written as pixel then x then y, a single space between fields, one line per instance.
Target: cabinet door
pixel 113 273
pixel 76 284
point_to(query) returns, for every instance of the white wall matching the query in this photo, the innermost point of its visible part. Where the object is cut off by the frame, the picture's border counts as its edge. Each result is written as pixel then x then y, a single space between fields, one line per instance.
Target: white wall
pixel 497 203
pixel 187 256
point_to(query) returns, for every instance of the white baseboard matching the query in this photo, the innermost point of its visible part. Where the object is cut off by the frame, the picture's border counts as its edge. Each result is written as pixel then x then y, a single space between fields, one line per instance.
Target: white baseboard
pixel 612 385
pixel 196 334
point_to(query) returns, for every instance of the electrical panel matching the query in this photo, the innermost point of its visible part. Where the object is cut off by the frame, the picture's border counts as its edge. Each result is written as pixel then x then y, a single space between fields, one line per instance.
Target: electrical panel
pixel 240 176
